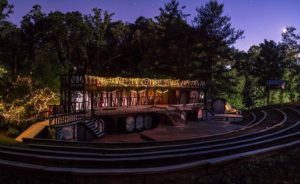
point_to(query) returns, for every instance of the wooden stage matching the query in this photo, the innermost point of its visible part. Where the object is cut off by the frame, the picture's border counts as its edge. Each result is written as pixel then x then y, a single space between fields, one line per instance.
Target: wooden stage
pixel 169 133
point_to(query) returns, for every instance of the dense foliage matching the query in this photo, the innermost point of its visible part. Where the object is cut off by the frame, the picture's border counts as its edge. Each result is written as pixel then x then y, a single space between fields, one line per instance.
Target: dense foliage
pixel 47 45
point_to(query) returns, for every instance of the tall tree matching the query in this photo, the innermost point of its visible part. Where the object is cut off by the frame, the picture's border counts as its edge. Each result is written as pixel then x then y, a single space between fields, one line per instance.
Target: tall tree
pixel 98 46
pixel 214 37
pixel 269 63
pixel 5 10
pixel 174 40
pixel 291 46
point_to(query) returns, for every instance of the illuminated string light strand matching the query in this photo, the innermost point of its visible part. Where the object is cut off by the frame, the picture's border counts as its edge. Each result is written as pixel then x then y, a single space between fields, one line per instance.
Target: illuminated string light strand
pixel 162 91
pixel 139 82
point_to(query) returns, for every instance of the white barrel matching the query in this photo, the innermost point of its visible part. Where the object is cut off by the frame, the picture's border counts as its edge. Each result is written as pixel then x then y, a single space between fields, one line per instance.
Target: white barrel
pixel 183 115
pixel 130 124
pixel 139 123
pixel 148 122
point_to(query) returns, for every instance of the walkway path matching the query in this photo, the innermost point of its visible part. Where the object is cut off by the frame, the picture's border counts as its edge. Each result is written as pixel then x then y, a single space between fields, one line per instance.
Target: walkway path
pixel 33 130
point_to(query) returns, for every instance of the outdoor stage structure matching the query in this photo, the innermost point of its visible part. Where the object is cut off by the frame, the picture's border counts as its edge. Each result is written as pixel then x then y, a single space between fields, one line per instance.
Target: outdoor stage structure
pixel 91 106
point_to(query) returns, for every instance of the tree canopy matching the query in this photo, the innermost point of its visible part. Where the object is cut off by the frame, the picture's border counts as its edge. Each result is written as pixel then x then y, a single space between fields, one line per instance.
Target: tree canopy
pixel 47 45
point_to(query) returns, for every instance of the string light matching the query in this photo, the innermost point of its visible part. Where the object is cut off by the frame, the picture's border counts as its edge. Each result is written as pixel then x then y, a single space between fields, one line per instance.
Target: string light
pixel 92 81
pixel 162 91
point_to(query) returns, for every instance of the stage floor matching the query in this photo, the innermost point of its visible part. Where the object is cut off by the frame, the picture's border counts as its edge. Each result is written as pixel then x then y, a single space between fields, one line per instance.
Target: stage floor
pixel 144 108
pixel 170 133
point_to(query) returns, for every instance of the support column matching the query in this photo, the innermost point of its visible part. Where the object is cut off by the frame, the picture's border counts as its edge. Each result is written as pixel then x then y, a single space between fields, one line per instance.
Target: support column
pixel 106 100
pixel 121 98
pixel 137 97
pixel 154 96
pixel 110 99
pixel 146 101
pixel 101 99
pixel 177 96
pixel 84 101
pixel 129 98
pixel 92 104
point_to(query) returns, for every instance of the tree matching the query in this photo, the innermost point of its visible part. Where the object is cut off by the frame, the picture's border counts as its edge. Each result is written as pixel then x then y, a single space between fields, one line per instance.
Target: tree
pixel 98 46
pixel 291 46
pixel 5 10
pixel 5 80
pixel 11 51
pixel 269 63
pixel 172 45
pixel 214 37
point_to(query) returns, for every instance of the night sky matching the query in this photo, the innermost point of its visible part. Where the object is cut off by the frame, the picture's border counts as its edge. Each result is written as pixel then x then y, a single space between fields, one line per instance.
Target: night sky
pixel 260 19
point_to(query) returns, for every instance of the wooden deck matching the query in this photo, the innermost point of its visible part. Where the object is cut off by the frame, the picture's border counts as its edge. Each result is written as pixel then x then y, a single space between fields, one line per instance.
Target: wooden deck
pixel 143 109
pixel 170 133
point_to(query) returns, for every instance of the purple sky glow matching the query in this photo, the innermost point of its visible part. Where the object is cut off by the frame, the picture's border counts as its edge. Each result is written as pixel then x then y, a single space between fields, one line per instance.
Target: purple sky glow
pixel 260 19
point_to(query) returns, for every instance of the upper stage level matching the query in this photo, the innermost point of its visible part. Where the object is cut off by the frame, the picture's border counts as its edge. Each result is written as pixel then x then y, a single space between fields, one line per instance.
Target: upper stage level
pixel 87 82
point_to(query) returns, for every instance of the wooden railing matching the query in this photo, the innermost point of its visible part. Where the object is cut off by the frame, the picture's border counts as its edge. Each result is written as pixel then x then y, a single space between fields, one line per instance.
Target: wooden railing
pixel 60 115
pixel 66 118
pixel 40 116
pixel 133 101
pixel 73 81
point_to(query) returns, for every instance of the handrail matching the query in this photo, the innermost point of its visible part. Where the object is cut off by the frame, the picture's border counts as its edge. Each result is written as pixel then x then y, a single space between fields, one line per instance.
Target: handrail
pixel 168 113
pixel 66 118
pixel 40 115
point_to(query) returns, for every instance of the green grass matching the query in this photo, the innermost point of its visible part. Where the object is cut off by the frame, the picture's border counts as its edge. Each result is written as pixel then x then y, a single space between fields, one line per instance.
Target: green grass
pixel 5 140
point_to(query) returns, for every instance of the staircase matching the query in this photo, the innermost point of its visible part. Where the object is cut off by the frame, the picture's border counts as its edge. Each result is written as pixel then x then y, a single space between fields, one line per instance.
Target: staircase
pixel 90 124
pixel 176 120
pixel 174 116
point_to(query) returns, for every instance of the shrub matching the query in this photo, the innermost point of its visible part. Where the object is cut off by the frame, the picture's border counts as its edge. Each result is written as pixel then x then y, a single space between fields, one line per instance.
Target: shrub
pixel 13 132
pixel 3 124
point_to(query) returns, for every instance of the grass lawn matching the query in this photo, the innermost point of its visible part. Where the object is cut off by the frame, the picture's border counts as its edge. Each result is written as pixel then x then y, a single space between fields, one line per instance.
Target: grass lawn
pixel 5 140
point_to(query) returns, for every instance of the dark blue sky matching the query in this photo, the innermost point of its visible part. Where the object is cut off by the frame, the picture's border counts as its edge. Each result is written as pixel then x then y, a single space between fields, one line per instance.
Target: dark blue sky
pixel 260 19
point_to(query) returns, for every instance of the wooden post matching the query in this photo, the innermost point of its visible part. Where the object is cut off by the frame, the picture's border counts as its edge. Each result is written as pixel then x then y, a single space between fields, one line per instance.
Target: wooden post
pixel 84 101
pixel 205 97
pixel 92 104
pixel 111 99
pixel 177 94
pixel 129 99
pixel 101 100
pixel 68 102
pixel 154 96
pixel 106 100
pixel 146 101
pixel 121 98
pixel 137 97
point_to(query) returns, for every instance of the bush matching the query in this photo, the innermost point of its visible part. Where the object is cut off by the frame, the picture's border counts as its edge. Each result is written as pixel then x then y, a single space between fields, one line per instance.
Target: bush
pixel 3 124
pixel 22 126
pixel 13 132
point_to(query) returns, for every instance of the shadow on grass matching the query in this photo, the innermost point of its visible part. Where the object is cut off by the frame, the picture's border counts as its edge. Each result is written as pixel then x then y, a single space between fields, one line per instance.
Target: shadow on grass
pixel 8 141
